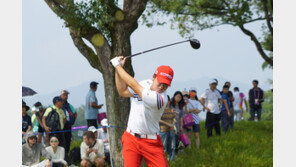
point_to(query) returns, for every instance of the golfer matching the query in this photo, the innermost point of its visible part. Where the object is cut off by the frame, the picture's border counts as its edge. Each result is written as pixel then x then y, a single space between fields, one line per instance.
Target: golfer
pixel 141 138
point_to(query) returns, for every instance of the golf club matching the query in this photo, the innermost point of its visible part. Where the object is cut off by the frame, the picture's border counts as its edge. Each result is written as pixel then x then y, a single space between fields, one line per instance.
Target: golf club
pixel 195 44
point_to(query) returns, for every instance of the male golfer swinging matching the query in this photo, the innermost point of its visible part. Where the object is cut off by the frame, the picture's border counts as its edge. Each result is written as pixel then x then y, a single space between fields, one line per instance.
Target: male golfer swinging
pixel 149 99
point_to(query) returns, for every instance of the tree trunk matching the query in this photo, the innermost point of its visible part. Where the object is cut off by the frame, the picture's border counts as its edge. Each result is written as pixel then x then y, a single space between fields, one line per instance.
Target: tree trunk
pixel 117 107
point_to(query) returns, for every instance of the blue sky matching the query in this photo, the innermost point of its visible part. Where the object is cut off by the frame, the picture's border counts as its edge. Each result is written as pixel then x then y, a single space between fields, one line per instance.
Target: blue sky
pixel 51 62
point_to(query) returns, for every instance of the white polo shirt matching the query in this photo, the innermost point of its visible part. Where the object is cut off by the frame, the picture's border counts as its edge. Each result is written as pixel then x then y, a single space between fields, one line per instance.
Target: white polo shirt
pixel 212 100
pixel 145 113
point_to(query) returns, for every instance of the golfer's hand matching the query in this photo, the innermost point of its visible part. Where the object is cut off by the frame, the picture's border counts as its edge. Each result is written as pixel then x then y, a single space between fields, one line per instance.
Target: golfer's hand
pixel 118 61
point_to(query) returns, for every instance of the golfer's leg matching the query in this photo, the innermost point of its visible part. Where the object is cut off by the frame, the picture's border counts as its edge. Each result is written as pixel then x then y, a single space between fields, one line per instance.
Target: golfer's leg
pixel 131 155
pixel 152 151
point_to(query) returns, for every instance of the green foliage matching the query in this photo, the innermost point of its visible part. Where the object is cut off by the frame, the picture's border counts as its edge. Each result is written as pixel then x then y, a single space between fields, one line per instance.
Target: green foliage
pixel 250 144
pixel 190 15
pixel 80 121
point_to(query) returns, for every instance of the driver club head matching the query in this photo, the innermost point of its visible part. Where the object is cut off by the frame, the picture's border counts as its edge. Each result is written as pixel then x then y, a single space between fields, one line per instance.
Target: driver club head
pixel 195 44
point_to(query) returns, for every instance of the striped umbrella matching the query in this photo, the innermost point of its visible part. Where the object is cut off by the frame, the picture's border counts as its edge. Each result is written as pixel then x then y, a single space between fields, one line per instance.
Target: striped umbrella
pixel 27 91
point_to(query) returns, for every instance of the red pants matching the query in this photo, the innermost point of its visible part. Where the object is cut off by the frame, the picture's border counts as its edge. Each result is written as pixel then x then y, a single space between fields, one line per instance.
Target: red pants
pixel 134 149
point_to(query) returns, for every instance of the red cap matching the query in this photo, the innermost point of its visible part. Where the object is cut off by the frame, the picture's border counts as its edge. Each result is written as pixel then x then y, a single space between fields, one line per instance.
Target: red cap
pixel 164 74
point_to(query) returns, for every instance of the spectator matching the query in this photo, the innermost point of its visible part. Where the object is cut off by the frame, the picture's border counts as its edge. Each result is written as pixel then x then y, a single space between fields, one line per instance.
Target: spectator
pixel 256 97
pixel 26 122
pixel 230 96
pixel 71 116
pixel 239 99
pixel 94 130
pixel 32 151
pixel 54 119
pixel 167 132
pixel 180 108
pixel 92 151
pixel 34 121
pixel 39 114
pixel 103 135
pixel 56 152
pixel 185 94
pixel 211 101
pixel 194 108
pixel 91 106
pixel 225 110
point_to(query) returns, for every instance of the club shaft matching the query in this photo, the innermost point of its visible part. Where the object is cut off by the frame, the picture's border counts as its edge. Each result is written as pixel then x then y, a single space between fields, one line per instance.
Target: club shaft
pixel 156 48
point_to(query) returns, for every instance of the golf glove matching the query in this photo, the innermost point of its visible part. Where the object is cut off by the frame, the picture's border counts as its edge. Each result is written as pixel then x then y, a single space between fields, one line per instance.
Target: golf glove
pixel 116 61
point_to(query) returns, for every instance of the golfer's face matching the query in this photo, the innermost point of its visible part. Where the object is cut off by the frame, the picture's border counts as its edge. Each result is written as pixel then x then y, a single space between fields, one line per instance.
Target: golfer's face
pixel 161 87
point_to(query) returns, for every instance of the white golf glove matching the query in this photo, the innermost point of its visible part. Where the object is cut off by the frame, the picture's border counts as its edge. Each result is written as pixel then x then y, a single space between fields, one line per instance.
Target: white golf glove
pixel 116 61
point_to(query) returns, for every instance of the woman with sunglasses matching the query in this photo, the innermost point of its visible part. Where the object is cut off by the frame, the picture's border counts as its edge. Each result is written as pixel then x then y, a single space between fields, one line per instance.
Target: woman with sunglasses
pixel 56 152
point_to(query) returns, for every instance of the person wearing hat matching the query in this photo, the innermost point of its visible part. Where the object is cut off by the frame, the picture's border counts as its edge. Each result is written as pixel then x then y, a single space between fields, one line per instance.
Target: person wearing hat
pixel 71 116
pixel 40 110
pixel 211 101
pixel 91 106
pixel 57 106
pixel 26 120
pixel 185 94
pixel 32 151
pixel 103 135
pixel 148 101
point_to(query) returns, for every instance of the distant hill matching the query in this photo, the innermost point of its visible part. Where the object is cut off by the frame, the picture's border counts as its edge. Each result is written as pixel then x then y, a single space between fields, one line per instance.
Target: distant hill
pixel 78 93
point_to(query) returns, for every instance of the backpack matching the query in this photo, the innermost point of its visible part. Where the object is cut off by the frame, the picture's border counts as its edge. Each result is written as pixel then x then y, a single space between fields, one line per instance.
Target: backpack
pixel 53 120
pixel 70 117
pixel 75 155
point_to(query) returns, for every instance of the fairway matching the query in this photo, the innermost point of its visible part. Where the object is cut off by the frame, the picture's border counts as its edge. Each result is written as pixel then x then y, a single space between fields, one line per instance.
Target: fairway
pixel 250 144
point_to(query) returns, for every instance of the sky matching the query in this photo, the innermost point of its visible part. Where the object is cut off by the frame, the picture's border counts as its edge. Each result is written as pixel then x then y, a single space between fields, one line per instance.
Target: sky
pixel 51 62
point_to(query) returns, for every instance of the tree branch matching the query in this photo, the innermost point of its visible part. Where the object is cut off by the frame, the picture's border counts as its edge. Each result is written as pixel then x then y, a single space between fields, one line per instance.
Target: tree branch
pixel 268 20
pixel 85 50
pixel 258 45
pixel 134 9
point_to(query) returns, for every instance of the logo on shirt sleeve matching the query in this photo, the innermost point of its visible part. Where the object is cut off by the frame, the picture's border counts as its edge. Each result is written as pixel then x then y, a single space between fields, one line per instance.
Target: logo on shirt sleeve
pixel 159 101
pixel 137 97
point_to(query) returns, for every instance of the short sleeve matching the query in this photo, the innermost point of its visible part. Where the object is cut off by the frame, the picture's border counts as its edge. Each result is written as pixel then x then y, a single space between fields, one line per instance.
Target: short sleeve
pixel 153 99
pixel 224 96
pixel 205 95
pixel 92 98
pixel 200 107
pixel 219 95
pixel 47 111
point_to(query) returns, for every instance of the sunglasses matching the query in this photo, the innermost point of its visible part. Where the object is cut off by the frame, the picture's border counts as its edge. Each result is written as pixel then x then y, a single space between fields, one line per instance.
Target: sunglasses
pixel 33 138
pixel 54 141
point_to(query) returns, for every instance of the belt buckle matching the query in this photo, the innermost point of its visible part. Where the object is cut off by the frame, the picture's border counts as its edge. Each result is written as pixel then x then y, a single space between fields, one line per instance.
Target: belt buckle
pixel 137 135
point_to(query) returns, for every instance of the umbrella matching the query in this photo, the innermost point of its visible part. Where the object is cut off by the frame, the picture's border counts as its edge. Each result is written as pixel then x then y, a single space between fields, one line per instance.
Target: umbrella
pixel 27 91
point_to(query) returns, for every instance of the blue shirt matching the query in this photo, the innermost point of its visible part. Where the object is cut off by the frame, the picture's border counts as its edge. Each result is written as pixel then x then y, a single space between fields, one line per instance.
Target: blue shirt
pixel 90 112
pixel 225 96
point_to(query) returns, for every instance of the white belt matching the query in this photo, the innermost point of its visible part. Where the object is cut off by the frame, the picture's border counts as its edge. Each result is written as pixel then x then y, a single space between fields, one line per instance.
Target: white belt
pixel 149 136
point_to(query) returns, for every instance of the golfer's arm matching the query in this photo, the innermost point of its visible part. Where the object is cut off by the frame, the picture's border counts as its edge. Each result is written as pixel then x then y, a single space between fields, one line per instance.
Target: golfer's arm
pixel 129 81
pixel 121 86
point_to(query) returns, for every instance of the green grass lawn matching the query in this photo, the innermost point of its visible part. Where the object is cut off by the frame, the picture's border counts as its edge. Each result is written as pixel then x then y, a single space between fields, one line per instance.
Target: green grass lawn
pixel 250 144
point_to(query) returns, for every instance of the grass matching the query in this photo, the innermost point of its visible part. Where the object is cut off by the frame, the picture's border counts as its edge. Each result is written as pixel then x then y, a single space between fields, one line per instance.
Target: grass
pixel 250 144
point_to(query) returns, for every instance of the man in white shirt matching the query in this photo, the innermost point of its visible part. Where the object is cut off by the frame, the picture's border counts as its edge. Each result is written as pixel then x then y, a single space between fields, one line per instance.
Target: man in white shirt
pixel 141 139
pixel 212 101
pixel 239 99
pixel 92 151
